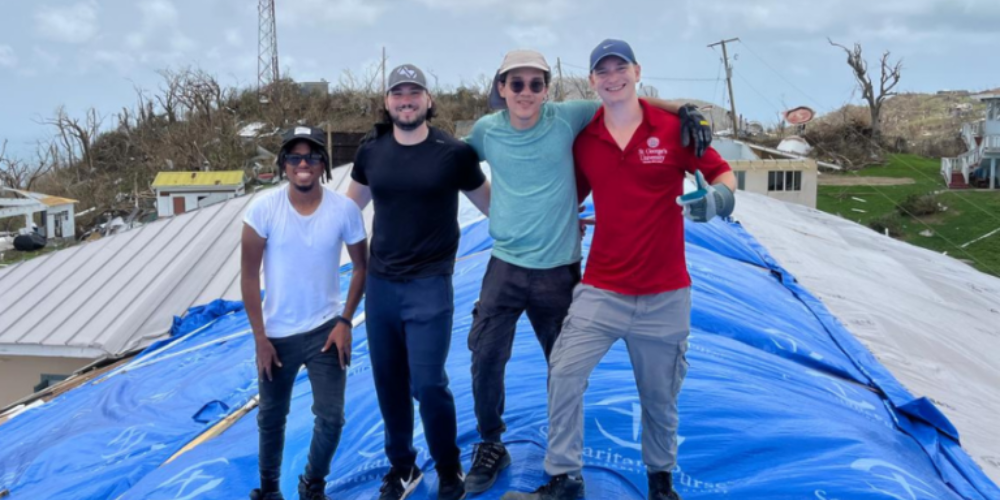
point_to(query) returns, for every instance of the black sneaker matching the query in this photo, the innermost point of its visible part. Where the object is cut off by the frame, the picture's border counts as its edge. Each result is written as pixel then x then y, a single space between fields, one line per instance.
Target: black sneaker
pixel 398 485
pixel 488 459
pixel 561 487
pixel 256 494
pixel 451 484
pixel 312 490
pixel 661 487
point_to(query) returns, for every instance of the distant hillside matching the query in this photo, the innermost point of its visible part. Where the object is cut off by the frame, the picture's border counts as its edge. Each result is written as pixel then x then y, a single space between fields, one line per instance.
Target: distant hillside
pixel 924 124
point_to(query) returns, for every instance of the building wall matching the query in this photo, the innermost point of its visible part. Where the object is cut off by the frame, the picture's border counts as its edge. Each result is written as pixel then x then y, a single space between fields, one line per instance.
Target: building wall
pixel 20 374
pixel 756 179
pixel 68 222
pixel 165 204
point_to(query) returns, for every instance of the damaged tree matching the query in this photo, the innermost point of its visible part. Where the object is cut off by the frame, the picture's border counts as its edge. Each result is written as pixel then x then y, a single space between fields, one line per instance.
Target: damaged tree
pixel 888 79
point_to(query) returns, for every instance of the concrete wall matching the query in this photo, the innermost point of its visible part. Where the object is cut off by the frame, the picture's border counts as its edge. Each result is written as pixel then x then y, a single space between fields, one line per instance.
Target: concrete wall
pixel 67 222
pixel 20 374
pixel 165 204
pixel 756 180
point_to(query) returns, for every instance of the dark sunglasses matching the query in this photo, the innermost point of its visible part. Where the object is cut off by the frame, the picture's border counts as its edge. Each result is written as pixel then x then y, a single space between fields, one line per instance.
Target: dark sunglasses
pixel 537 86
pixel 312 159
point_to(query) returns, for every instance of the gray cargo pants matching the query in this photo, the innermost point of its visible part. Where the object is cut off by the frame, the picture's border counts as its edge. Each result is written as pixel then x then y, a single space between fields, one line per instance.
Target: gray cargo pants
pixel 655 329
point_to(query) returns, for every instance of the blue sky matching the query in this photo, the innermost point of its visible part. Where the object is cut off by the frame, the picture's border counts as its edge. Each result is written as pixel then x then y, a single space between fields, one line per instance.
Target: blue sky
pixel 83 53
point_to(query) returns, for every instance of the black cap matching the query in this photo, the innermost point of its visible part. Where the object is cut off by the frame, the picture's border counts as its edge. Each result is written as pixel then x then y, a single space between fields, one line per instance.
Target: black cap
pixel 312 134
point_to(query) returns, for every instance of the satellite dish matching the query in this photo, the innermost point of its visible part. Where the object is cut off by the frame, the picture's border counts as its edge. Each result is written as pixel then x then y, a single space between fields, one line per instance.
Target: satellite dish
pixel 799 116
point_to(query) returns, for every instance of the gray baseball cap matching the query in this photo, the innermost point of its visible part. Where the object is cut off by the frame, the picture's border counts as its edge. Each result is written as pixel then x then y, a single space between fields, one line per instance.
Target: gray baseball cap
pixel 513 60
pixel 406 73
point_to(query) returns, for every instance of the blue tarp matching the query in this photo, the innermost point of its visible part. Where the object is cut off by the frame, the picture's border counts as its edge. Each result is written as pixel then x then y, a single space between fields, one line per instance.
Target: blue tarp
pixel 780 402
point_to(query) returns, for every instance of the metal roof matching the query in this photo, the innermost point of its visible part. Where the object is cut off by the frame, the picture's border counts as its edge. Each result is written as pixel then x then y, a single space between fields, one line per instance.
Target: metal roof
pixel 198 179
pixel 121 292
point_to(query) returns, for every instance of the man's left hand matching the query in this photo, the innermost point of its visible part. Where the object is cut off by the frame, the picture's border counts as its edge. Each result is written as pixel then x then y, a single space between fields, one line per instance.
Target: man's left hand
pixel 707 201
pixel 341 337
pixel 695 128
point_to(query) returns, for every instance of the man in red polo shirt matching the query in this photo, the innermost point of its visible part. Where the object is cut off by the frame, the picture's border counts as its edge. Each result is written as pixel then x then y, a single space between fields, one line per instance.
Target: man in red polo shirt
pixel 636 286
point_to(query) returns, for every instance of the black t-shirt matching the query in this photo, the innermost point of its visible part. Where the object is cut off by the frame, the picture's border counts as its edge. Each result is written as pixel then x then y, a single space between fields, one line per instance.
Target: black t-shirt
pixel 415 190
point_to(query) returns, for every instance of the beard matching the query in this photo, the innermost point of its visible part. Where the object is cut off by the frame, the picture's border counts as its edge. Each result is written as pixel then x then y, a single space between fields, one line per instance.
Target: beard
pixel 306 188
pixel 412 124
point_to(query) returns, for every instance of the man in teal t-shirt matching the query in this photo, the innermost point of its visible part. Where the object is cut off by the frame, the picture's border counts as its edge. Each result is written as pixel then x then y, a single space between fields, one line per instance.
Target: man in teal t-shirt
pixel 535 224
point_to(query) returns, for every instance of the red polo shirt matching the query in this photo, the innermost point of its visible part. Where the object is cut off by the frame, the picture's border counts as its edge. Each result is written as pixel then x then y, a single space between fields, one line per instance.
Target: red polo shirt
pixel 638 246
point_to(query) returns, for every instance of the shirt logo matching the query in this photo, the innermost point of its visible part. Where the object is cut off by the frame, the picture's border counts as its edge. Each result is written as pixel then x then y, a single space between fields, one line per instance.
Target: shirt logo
pixel 654 153
pixel 652 142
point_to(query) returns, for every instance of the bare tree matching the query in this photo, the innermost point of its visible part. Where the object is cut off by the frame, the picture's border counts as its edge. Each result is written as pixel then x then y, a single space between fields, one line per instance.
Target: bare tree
pixel 888 79
pixel 20 174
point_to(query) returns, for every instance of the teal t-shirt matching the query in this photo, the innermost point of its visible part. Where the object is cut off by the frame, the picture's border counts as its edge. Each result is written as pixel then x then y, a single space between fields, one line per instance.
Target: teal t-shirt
pixel 533 206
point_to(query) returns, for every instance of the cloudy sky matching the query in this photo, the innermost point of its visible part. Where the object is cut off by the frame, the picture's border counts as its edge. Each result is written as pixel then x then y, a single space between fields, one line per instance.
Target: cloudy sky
pixel 83 53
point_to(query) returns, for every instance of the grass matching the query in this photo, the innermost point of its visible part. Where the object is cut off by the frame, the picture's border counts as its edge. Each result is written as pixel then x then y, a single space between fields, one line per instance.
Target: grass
pixel 969 214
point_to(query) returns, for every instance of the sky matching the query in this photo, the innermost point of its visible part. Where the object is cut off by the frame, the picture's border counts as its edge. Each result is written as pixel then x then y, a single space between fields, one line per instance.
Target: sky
pixel 89 53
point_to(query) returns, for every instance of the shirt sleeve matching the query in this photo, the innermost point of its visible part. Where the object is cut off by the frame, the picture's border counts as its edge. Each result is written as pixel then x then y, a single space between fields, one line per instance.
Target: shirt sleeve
pixel 354 223
pixel 477 138
pixel 470 175
pixel 578 113
pixel 358 170
pixel 258 216
pixel 711 164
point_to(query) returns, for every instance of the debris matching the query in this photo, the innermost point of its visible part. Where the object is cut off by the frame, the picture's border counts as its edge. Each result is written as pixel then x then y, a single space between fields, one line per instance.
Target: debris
pixel 855 198
pixel 927 233
pixel 859 210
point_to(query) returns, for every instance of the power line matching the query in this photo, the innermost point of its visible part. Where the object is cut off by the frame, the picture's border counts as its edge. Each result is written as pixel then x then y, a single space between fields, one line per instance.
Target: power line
pixel 660 78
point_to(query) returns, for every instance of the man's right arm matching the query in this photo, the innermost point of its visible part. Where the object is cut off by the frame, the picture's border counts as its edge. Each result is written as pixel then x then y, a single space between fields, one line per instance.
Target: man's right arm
pixel 359 193
pixel 252 253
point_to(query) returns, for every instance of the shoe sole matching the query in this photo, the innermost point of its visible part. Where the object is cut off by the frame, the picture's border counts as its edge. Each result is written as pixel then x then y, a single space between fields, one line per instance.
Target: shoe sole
pixel 483 487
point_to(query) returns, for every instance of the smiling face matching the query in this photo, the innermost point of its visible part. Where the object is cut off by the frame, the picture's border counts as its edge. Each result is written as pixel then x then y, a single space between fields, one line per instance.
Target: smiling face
pixel 303 166
pixel 524 90
pixel 614 80
pixel 407 105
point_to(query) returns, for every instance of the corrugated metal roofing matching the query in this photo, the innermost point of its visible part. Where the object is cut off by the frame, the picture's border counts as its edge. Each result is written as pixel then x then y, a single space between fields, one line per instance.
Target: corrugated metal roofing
pixel 200 179
pixel 121 292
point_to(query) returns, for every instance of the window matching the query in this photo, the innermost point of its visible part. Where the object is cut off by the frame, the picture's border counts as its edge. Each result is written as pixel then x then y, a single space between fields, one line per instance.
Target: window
pixel 741 180
pixel 778 180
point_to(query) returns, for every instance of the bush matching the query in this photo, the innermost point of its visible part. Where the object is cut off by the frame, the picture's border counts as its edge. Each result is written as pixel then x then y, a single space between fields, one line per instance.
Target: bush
pixel 918 205
pixel 891 222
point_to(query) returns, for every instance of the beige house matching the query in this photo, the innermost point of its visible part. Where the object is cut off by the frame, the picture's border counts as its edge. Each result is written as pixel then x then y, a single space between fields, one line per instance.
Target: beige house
pixel 788 180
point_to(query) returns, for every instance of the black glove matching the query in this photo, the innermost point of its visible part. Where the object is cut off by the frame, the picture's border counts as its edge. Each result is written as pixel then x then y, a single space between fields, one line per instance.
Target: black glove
pixel 694 127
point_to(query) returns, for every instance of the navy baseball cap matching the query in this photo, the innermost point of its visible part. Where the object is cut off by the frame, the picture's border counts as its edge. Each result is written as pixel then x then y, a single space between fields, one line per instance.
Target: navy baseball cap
pixel 611 47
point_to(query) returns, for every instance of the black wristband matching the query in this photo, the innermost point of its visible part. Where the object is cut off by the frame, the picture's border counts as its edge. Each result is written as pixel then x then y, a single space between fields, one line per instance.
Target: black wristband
pixel 344 320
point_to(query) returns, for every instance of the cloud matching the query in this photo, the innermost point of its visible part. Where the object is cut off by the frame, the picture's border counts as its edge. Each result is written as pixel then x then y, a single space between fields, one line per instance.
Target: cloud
pixel 532 36
pixel 323 12
pixel 73 24
pixel 233 37
pixel 522 11
pixel 7 57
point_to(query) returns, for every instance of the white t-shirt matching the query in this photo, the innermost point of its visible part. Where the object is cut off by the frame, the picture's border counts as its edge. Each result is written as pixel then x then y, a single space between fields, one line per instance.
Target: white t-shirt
pixel 302 258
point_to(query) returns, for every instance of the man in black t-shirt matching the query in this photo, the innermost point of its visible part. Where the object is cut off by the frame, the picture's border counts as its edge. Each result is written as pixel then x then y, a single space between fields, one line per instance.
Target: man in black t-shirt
pixel 414 173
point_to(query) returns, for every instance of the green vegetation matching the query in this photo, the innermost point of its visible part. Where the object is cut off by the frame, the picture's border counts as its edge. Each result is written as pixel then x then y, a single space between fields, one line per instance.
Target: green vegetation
pixel 967 215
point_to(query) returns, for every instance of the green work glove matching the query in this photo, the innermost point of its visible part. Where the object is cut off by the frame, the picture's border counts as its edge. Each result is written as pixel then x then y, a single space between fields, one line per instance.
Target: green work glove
pixel 707 201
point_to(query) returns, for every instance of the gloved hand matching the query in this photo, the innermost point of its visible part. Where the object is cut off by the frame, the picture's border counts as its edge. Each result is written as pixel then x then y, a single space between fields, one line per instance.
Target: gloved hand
pixel 694 127
pixel 707 201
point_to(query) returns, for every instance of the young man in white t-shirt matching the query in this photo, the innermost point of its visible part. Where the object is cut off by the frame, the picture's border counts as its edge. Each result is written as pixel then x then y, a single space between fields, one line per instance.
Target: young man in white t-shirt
pixel 298 231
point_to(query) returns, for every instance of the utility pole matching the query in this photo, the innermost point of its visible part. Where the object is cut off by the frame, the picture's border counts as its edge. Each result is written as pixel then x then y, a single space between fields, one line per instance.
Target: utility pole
pixel 729 83
pixel 559 87
pixel 383 70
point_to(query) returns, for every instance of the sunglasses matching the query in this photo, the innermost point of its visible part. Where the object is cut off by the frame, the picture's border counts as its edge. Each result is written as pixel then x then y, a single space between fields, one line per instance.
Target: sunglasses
pixel 312 159
pixel 537 86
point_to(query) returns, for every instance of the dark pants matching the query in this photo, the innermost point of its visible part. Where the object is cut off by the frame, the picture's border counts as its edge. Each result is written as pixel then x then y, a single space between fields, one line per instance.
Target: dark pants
pixel 409 334
pixel 509 290
pixel 328 383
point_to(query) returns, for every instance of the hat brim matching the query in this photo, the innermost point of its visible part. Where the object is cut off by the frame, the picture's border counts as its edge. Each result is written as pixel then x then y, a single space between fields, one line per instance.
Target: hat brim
pixel 404 82
pixel 612 54
pixel 284 145
pixel 495 100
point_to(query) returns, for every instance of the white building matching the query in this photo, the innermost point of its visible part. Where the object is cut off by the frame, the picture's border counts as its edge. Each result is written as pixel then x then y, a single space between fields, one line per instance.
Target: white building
pixel 58 219
pixel 180 192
